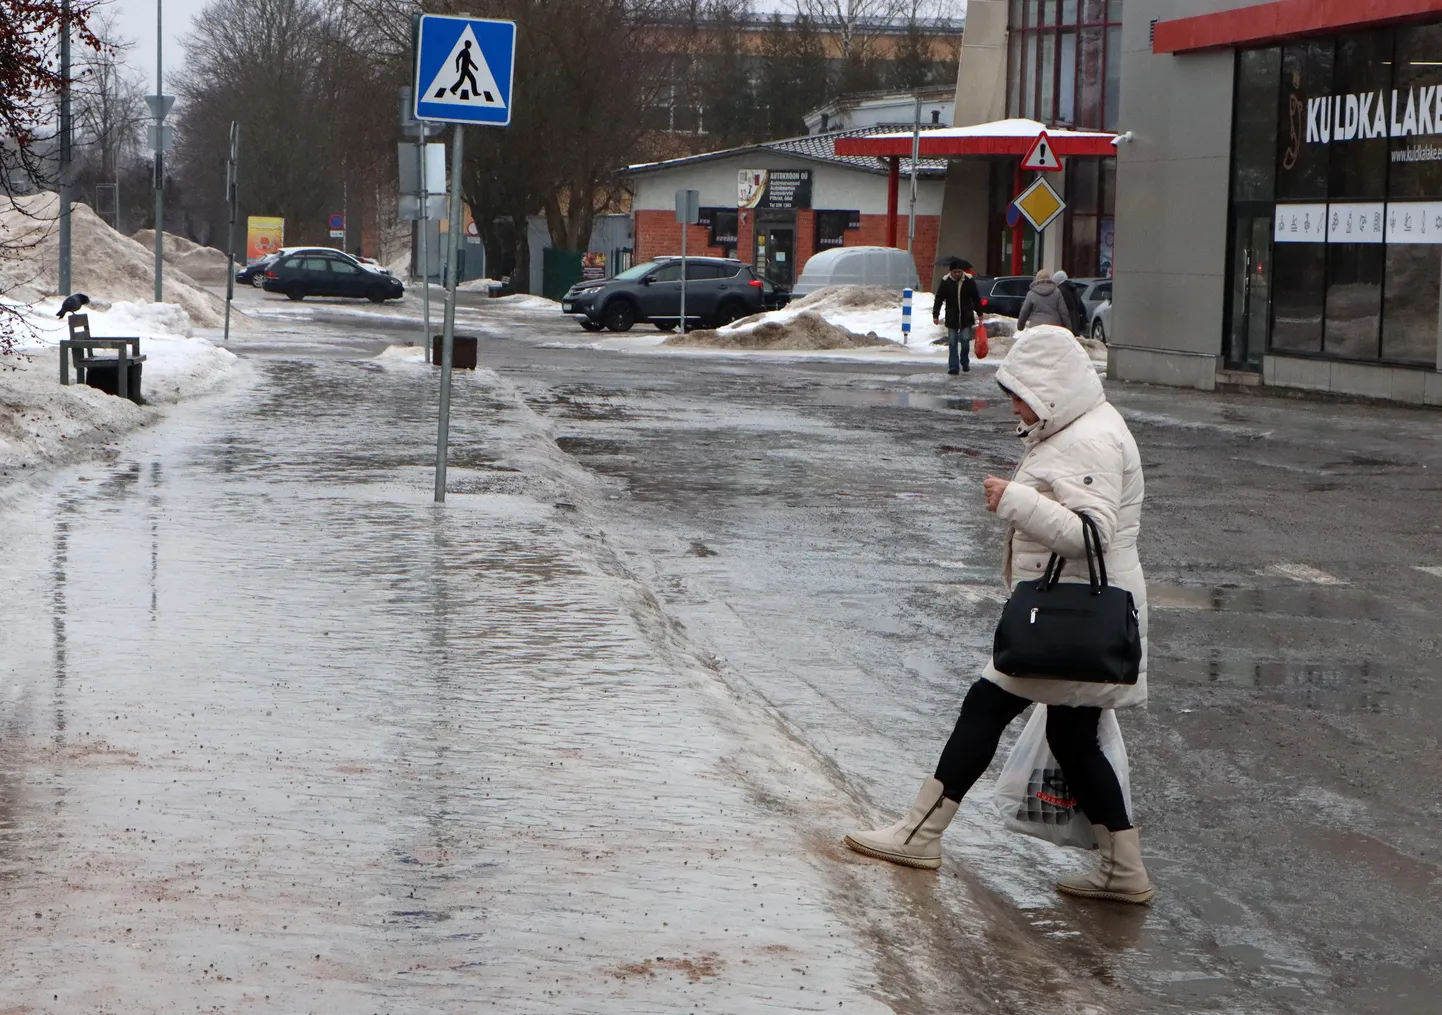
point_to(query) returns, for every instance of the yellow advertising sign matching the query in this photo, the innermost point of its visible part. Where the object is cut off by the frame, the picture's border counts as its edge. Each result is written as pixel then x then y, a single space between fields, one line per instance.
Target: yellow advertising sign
pixel 263 236
pixel 1039 204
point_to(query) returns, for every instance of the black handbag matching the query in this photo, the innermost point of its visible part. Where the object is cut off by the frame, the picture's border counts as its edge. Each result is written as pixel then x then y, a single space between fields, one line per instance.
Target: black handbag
pixel 1058 630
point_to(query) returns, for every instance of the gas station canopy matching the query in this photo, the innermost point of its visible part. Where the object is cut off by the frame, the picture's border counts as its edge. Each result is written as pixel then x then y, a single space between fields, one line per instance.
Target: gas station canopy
pixel 1001 137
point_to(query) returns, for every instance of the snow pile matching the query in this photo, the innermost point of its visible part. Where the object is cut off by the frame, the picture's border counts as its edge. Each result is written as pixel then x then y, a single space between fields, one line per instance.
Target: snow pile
pixel 402 354
pixel 804 331
pixel 195 260
pixel 105 265
pixel 400 267
pixel 41 421
pixel 525 301
pixel 861 309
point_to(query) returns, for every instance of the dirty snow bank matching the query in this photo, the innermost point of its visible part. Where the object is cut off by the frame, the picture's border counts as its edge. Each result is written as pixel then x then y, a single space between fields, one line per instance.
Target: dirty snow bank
pixel 805 332
pixel 42 422
pixel 106 265
pixel 197 261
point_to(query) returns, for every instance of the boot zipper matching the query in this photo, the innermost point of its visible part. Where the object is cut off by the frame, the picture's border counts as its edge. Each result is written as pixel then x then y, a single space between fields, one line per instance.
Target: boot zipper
pixel 923 820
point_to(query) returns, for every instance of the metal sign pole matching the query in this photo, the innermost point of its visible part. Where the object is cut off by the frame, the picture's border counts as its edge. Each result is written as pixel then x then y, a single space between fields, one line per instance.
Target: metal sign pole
pixel 231 199
pixel 915 157
pixel 66 197
pixel 685 228
pixel 448 333
pixel 425 228
pixel 159 164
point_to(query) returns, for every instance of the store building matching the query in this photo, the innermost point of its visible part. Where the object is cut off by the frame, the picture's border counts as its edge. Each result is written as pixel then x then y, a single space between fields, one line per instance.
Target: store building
pixel 776 204
pixel 1279 203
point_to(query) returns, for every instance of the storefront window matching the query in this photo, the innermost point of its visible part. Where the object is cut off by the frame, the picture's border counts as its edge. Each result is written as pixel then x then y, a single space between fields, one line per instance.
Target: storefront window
pixel 1363 67
pixel 1413 288
pixel 1306 73
pixel 1337 144
pixel 1065 56
pixel 1254 131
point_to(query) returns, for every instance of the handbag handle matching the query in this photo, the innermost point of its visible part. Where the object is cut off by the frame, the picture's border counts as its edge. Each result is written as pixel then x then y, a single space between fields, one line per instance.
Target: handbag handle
pixel 1096 560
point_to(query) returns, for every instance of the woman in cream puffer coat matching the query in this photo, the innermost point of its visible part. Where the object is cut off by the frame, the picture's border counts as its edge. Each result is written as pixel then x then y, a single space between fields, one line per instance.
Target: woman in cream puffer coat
pixel 1079 457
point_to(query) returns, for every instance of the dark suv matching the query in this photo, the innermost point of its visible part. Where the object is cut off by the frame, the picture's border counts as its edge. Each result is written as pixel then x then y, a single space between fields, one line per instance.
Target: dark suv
pixel 718 291
pixel 322 273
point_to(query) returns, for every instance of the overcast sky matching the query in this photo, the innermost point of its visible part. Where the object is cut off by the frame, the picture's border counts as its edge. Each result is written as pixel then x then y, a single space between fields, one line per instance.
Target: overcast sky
pixel 135 20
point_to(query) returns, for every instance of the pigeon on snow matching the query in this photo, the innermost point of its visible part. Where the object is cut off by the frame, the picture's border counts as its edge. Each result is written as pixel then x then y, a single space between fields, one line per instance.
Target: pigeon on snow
pixel 72 303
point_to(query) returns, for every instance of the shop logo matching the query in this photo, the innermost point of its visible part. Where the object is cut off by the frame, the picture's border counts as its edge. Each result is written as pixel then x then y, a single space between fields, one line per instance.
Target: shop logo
pixel 1363 115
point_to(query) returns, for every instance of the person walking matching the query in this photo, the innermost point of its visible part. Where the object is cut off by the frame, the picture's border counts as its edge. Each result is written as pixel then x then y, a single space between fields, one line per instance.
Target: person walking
pixel 1043 304
pixel 958 298
pixel 1072 298
pixel 1079 457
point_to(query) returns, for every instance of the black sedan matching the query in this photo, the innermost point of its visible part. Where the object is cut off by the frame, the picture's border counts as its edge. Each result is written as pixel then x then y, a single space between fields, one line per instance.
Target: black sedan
pixel 329 274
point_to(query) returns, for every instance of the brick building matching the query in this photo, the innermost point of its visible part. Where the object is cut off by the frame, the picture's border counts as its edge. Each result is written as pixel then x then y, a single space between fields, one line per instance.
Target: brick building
pixel 776 204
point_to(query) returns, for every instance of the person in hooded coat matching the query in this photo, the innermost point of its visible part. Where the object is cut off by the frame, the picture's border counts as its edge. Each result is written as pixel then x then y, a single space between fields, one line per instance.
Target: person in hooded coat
pixel 1079 457
pixel 1044 304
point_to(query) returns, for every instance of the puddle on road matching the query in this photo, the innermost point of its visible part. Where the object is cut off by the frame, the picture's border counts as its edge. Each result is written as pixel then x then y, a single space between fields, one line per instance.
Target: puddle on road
pixel 1331 603
pixel 1334 687
pixel 899 399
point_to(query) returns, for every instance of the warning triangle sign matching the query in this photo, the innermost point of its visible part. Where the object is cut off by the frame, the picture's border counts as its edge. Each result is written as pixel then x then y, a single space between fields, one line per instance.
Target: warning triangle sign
pixel 1041 155
pixel 465 79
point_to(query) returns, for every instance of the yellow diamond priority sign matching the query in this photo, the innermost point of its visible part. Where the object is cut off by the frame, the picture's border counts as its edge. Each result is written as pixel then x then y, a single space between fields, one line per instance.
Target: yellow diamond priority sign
pixel 1039 204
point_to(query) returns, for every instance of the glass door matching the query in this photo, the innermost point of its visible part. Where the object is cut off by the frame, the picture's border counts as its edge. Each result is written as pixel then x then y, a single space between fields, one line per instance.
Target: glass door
pixel 1250 291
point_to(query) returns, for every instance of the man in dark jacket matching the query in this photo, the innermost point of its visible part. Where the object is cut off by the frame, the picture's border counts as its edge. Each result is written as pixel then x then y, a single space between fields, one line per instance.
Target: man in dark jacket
pixel 957 294
pixel 1073 302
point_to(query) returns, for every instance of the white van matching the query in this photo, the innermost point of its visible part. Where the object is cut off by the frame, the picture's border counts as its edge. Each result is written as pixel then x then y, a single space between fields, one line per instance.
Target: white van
pixel 886 266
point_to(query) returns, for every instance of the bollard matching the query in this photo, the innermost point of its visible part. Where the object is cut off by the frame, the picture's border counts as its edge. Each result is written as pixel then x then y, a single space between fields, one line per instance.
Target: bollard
pixel 906 316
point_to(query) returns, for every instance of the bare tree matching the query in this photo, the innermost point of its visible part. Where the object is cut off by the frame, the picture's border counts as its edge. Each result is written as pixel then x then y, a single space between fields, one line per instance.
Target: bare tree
pixel 110 112
pixel 29 81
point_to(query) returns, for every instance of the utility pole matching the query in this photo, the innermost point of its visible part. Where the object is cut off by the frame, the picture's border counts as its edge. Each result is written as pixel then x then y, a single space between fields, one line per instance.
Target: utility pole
pixel 159 112
pixel 231 196
pixel 448 331
pixel 915 158
pixel 65 149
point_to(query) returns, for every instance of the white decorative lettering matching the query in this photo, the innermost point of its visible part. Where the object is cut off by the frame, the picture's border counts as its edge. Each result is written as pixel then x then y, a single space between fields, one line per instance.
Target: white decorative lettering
pixel 1364 126
pixel 1313 134
pixel 1437 113
pixel 1409 120
pixel 1379 125
pixel 1424 110
pixel 1348 132
pixel 1396 127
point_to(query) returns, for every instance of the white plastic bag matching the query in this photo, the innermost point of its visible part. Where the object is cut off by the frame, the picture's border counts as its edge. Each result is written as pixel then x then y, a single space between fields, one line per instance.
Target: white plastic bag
pixel 1032 794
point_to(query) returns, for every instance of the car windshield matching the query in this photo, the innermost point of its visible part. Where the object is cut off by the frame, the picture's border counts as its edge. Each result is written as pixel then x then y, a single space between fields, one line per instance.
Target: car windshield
pixel 636 271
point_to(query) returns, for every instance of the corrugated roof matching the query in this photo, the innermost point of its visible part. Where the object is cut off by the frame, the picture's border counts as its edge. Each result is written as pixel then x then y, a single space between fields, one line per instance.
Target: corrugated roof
pixel 812 147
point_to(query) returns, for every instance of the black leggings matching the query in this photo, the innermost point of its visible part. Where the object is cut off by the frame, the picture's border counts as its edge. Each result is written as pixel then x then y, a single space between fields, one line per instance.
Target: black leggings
pixel 1071 732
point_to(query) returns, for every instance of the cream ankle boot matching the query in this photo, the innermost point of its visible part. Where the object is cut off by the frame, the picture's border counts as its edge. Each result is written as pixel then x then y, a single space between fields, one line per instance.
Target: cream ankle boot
pixel 1119 875
pixel 915 840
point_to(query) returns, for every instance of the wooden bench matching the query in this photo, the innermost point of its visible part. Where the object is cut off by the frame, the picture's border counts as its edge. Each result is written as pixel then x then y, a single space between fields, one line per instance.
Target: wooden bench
pixel 79 351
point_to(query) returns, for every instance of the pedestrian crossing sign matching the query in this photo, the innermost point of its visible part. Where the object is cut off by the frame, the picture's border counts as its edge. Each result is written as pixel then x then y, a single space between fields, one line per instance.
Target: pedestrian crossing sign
pixel 464 69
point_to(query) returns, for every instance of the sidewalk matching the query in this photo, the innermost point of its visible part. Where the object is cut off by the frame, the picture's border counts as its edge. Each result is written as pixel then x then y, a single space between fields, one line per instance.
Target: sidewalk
pixel 280 736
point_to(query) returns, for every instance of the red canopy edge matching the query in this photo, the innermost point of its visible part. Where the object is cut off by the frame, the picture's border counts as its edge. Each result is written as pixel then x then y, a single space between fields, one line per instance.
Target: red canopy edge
pixel 1281 19
pixel 941 147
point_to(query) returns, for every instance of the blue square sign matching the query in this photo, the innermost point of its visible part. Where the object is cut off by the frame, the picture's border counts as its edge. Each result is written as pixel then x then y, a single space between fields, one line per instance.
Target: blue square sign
pixel 463 70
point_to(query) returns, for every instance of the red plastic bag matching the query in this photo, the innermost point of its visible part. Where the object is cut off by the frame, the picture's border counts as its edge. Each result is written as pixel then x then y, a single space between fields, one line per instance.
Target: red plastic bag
pixel 982 346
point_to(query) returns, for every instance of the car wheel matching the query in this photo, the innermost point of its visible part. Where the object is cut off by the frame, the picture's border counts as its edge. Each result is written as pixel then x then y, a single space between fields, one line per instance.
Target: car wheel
pixel 728 312
pixel 665 325
pixel 377 296
pixel 258 280
pixel 590 325
pixel 1099 333
pixel 295 292
pixel 620 315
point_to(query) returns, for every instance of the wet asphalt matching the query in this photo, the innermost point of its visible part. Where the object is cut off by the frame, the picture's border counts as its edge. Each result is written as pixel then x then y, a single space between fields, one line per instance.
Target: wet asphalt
pixel 812 533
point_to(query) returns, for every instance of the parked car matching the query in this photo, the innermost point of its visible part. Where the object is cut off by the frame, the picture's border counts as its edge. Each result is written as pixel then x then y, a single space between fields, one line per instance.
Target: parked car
pixel 1093 293
pixel 1003 294
pixel 254 273
pixel 884 266
pixel 718 291
pixel 1102 321
pixel 319 271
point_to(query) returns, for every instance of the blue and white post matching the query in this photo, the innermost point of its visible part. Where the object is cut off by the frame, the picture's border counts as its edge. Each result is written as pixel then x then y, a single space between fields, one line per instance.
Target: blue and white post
pixel 906 295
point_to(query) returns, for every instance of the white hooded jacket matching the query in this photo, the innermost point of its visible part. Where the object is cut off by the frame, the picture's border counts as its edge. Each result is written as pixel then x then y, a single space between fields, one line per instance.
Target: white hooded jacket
pixel 1079 456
